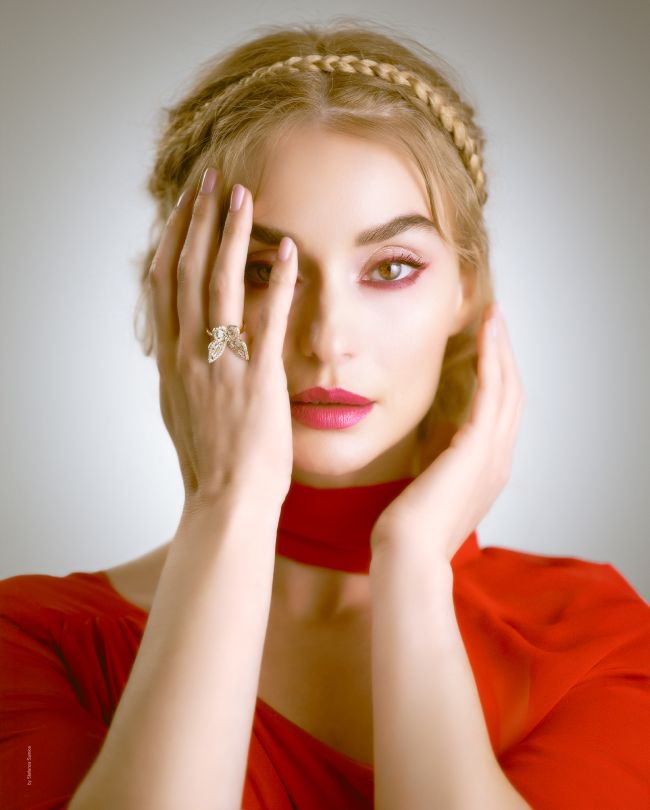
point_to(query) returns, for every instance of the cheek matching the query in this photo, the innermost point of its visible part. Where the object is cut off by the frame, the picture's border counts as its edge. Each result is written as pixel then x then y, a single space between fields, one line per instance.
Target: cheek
pixel 421 333
pixel 413 358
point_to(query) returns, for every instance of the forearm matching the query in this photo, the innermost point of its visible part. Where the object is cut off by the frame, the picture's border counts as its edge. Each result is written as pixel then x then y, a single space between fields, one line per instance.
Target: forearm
pixel 431 744
pixel 181 731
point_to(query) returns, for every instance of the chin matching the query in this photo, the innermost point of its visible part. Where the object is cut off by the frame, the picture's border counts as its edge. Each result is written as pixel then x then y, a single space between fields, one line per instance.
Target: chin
pixel 330 458
pixel 333 466
pixel 327 467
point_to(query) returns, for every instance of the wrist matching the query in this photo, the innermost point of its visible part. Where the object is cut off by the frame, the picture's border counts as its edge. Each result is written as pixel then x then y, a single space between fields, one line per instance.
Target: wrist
pixel 231 513
pixel 409 554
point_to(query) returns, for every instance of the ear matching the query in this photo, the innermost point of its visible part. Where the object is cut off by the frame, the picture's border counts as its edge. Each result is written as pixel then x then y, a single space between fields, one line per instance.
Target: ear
pixel 465 305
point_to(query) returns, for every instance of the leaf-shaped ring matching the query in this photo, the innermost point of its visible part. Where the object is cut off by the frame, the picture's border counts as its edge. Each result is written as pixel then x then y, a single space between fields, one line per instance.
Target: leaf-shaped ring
pixel 223 336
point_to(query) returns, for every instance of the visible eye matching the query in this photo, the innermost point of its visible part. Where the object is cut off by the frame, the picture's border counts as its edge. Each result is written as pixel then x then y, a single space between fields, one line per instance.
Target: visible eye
pixel 390 266
pixel 258 272
pixel 252 277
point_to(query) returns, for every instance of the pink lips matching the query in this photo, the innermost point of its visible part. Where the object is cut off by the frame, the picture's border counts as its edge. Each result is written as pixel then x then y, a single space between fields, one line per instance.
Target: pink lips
pixel 329 409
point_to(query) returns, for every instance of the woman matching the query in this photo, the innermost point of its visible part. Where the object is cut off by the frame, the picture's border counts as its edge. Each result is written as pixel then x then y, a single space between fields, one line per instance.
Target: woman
pixel 323 630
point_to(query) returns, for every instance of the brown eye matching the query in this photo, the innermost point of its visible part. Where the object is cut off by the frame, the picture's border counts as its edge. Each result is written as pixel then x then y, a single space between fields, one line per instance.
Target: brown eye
pixel 257 274
pixel 389 271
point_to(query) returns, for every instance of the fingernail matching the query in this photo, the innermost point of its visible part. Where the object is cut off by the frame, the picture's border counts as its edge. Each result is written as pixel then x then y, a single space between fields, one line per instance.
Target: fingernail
pixel 284 248
pixel 208 181
pixel 182 197
pixel 236 197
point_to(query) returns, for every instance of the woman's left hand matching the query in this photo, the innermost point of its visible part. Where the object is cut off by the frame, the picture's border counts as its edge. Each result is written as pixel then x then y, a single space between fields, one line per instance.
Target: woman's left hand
pixel 449 498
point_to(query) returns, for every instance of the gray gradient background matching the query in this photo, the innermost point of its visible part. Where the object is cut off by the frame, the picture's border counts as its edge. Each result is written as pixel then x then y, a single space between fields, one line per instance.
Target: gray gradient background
pixel 89 475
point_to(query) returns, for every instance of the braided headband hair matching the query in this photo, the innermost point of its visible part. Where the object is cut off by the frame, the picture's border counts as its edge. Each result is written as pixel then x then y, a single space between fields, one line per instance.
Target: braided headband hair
pixel 204 121
pixel 468 148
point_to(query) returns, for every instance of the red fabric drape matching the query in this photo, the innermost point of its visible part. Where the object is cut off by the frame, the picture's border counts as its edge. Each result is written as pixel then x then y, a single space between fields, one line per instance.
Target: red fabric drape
pixel 560 649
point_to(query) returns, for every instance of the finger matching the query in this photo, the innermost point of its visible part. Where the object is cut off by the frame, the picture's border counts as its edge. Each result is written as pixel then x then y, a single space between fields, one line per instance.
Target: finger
pixel 513 394
pixel 272 322
pixel 488 396
pixel 194 263
pixel 226 288
pixel 162 277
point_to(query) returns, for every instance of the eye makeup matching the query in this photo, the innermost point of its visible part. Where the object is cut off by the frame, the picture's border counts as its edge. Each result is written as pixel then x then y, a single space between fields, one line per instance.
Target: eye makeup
pixel 399 257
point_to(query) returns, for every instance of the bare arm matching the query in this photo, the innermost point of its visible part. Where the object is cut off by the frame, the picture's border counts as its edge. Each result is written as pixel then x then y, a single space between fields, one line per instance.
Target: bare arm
pixel 181 731
pixel 432 747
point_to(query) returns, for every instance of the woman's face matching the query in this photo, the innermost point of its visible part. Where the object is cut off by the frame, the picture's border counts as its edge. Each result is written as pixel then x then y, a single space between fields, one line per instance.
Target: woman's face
pixel 371 312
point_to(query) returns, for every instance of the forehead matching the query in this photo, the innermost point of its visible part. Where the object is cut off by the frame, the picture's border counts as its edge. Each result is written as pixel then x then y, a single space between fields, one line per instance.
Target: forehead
pixel 319 183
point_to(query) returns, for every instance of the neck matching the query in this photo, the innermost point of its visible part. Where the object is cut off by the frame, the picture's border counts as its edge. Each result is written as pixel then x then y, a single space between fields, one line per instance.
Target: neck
pixel 311 595
pixel 323 548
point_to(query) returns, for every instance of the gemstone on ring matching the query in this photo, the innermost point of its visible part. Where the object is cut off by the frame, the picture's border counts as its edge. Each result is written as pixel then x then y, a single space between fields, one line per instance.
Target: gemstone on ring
pixel 223 336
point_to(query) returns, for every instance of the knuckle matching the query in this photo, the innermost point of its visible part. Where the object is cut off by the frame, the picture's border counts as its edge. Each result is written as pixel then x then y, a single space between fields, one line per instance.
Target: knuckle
pixel 265 319
pixel 281 287
pixel 165 363
pixel 277 278
pixel 269 320
pixel 233 227
pixel 155 267
pixel 185 265
pixel 162 365
pixel 185 361
pixel 220 285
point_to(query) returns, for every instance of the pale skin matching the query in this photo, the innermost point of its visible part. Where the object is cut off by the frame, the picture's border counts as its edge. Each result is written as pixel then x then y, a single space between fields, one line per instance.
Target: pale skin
pixel 329 329
pixel 335 333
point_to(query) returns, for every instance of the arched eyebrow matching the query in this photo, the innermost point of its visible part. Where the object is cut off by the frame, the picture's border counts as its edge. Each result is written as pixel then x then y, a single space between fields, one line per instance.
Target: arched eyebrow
pixel 380 233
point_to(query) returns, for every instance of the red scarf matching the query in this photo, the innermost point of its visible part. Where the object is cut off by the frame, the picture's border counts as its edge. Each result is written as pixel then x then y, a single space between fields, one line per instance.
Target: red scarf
pixel 331 528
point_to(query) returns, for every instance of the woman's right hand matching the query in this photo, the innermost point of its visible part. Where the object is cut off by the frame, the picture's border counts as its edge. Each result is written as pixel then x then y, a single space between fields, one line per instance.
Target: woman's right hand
pixel 230 420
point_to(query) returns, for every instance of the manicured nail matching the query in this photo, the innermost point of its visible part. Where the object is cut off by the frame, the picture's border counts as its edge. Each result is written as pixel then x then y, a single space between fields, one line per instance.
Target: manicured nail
pixel 284 248
pixel 209 179
pixel 236 197
pixel 182 198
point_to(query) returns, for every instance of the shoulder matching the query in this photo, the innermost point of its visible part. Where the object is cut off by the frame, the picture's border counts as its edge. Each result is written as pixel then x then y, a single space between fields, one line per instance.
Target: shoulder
pixel 558 602
pixel 42 601
pixel 555 581
pixel 565 657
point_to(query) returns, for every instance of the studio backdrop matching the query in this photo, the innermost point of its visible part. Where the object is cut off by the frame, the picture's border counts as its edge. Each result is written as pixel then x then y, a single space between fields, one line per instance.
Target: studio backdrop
pixel 90 477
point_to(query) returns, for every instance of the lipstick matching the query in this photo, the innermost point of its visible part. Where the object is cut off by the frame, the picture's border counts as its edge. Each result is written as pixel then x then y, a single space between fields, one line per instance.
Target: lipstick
pixel 329 409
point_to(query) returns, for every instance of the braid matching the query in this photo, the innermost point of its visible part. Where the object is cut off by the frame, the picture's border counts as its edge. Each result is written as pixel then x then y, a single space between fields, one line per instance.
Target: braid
pixel 445 104
pixel 187 134
pixel 219 121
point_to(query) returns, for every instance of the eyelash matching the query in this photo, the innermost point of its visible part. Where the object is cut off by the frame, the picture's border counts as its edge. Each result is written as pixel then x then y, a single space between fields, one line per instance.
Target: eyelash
pixel 400 257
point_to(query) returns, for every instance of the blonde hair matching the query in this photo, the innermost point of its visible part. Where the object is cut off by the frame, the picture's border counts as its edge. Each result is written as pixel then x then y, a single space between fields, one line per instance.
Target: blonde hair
pixel 350 78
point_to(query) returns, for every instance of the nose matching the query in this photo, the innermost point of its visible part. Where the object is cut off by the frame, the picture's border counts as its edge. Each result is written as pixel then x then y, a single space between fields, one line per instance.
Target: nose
pixel 327 322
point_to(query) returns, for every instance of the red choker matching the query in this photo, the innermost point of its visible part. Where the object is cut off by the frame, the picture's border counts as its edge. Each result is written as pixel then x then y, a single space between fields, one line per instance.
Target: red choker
pixel 331 528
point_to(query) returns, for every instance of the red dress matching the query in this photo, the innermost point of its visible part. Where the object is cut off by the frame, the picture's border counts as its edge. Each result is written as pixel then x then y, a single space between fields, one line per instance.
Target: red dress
pixel 559 647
